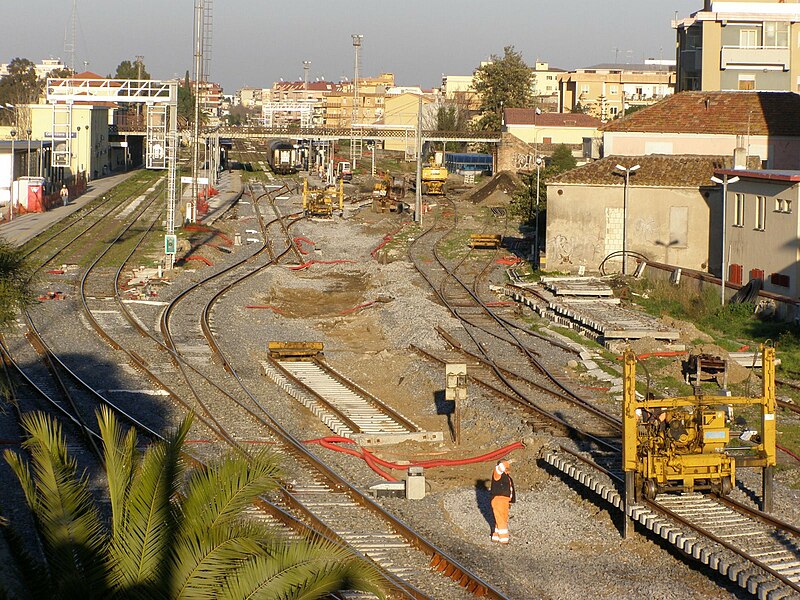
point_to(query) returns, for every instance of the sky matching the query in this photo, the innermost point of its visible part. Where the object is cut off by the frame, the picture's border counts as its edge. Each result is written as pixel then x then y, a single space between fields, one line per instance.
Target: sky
pixel 257 42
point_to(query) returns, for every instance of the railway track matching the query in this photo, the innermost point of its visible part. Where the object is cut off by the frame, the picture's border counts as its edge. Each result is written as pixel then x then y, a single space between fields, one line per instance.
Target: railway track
pixel 753 549
pixel 498 347
pixel 316 497
pixel 347 409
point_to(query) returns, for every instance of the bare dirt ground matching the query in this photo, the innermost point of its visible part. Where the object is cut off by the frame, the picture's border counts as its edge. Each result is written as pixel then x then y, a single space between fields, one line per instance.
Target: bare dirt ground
pixel 563 542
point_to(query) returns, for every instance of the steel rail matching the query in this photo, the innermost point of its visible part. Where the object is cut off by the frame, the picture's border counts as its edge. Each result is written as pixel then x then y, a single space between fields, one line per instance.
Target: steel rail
pixel 530 405
pixel 572 398
pixel 752 513
pixel 318 529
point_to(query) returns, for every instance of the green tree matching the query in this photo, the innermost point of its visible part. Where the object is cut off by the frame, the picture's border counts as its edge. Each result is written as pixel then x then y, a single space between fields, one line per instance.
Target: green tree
pixel 130 70
pixel 21 86
pixel 561 160
pixel 524 201
pixel 502 83
pixel 172 533
pixel 186 102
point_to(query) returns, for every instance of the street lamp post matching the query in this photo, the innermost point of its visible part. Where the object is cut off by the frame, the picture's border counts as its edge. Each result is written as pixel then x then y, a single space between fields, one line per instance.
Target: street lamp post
pixel 11 185
pixel 77 151
pixel 536 219
pixel 627 171
pixel 724 181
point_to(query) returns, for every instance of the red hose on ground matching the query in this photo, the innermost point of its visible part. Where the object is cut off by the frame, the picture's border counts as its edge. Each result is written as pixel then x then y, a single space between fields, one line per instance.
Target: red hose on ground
pixel 658 355
pixel 374 462
pixel 509 261
pixel 359 307
pixel 201 259
pixel 787 451
pixel 305 240
pixel 386 239
pixel 307 264
pixel 267 307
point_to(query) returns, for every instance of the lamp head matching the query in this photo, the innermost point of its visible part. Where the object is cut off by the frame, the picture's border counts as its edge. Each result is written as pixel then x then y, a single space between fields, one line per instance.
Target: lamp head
pixel 716 179
pixel 621 168
pixel 635 168
pixel 733 180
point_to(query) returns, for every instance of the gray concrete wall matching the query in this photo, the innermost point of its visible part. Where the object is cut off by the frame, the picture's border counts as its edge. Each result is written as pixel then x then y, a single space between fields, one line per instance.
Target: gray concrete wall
pixel 773 249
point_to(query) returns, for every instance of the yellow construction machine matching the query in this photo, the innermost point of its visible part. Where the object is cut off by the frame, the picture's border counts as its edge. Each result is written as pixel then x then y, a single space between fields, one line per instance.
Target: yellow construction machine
pixel 388 192
pixel 684 443
pixel 434 178
pixel 320 202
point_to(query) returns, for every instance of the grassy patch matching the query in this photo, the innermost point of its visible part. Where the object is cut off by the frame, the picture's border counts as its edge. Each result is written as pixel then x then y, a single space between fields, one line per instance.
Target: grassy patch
pixel 731 326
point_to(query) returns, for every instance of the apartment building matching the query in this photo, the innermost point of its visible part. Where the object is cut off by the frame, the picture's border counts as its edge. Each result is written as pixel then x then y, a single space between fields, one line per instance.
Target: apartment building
pixel 339 109
pixel 43 69
pixel 249 97
pixel 606 91
pixel 545 85
pixel 740 45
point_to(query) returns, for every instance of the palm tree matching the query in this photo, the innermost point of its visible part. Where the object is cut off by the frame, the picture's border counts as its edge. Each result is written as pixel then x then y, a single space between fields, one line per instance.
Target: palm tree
pixel 172 532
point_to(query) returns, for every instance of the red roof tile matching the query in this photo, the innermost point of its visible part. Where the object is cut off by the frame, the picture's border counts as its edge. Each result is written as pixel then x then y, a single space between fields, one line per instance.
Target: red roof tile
pixel 721 113
pixel 528 116
pixel 655 170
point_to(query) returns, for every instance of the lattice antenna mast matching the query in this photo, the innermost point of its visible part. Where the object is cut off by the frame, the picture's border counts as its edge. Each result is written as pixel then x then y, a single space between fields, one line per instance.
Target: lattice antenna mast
pixel 70 37
pixel 201 37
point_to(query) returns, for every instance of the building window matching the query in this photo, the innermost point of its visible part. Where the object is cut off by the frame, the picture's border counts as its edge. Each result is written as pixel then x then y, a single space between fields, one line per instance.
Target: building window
pixel 738 211
pixel 614 89
pixel 613 110
pixel 761 212
pixel 779 279
pixel 747 82
pixel 783 206
pixel 584 89
pixel 748 38
pixel 776 35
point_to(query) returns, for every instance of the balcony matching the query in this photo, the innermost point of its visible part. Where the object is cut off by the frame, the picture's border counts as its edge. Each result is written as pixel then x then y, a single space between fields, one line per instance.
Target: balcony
pixel 768 58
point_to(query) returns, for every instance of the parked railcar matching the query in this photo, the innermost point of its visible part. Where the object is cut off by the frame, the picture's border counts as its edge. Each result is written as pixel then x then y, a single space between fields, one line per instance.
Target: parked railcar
pixel 282 157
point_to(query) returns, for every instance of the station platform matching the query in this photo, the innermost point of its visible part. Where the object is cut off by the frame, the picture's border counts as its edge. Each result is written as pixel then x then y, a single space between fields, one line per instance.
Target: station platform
pixel 230 190
pixel 23 228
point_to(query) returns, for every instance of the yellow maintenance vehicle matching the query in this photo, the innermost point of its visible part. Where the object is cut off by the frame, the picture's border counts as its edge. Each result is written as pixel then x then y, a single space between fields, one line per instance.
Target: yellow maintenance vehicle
pixel 320 202
pixel 684 443
pixel 434 178
pixel 387 193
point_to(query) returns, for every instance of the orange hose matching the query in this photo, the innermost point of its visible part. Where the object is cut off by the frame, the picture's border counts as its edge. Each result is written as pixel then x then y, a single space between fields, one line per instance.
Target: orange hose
pixel 374 462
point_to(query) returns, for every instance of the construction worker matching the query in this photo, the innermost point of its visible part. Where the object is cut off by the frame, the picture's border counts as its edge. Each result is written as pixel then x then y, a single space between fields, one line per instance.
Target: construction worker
pixel 502 491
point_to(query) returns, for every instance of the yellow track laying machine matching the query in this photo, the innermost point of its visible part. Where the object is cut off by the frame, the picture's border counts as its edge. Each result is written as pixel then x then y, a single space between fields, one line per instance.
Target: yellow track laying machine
pixel 684 443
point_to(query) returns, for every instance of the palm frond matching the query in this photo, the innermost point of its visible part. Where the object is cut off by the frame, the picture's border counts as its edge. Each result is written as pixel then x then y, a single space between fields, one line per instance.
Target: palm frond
pixel 140 546
pixel 226 488
pixel 204 561
pixel 120 460
pixel 65 515
pixel 31 573
pixel 301 571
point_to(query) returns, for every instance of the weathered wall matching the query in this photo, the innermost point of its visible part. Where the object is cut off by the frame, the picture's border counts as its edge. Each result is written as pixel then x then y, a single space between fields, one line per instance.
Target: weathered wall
pixel 585 224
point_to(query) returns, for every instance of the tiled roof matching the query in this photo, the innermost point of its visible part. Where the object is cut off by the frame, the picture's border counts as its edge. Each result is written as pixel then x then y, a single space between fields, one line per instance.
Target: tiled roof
pixel 528 116
pixel 721 113
pixel 655 170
